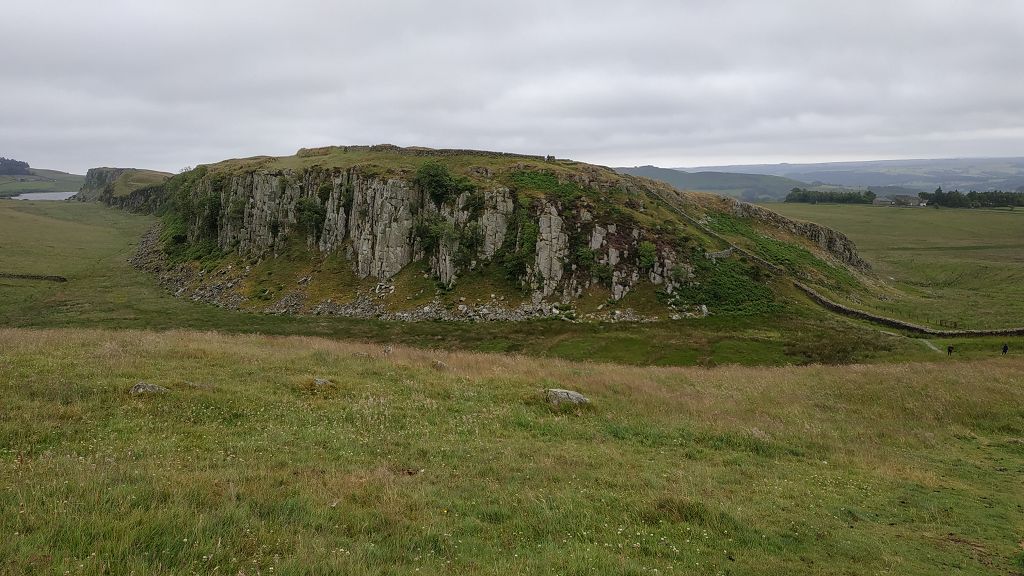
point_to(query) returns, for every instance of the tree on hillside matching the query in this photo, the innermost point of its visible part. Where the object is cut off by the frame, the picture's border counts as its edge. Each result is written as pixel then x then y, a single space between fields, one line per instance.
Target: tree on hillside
pixel 12 167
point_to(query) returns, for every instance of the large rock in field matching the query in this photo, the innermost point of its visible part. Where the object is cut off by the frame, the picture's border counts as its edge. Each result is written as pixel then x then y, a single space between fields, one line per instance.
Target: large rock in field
pixel 558 397
pixel 147 388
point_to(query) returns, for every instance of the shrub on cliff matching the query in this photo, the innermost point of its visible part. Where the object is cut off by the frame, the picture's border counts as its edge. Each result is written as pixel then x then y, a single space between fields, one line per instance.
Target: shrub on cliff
pixel 442 187
pixel 646 255
pixel 310 216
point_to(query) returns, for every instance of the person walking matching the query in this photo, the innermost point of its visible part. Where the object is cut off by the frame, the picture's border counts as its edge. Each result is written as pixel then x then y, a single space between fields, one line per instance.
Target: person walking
pixel 949 350
pixel 1006 348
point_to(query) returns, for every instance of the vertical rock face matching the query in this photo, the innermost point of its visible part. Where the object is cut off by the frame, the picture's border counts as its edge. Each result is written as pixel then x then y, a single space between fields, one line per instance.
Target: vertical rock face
pixel 97 180
pixel 832 241
pixel 382 224
pixel 266 198
pixel 498 206
pixel 552 248
pixel 336 220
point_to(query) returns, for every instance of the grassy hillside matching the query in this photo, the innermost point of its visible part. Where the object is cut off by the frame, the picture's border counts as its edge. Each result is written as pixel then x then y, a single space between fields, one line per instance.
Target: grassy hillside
pixel 90 244
pixel 750 187
pixel 113 183
pixel 941 266
pixel 136 179
pixel 247 466
pixel 40 181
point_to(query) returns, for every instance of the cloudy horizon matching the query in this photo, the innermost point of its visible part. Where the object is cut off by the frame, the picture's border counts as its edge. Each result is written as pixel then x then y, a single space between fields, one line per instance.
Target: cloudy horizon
pixel 165 84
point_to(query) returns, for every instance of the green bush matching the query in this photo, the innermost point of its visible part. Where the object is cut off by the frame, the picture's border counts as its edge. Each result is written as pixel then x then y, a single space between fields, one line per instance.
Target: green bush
pixel 439 184
pixel 471 239
pixel 432 230
pixel 208 212
pixel 310 216
pixel 584 258
pixel 646 255
pixel 324 192
pixel 347 197
pixel 474 204
pixel 520 248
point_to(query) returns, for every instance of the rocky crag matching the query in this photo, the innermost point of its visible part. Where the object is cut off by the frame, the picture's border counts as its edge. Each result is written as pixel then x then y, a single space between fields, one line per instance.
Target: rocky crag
pixel 129 188
pixel 557 231
pixel 97 180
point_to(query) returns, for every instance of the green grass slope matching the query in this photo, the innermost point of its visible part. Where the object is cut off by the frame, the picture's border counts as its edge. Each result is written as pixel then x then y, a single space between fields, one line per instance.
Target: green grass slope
pixel 40 181
pixel 938 266
pixel 109 183
pixel 750 187
pixel 90 245
pixel 136 179
pixel 391 466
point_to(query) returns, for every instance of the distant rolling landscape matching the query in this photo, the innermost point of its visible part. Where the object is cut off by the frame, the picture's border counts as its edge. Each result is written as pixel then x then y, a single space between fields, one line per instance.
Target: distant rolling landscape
pixel 39 180
pixel 749 186
pixel 965 174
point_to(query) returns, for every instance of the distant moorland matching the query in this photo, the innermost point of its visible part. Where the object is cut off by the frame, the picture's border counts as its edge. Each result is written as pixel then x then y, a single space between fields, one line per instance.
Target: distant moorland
pixel 964 174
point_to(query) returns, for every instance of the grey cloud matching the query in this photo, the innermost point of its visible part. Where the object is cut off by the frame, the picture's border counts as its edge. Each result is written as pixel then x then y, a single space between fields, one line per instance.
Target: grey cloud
pixel 165 84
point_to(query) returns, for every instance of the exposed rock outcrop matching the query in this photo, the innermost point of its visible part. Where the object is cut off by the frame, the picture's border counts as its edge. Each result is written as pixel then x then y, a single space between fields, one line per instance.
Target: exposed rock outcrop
pixel 557 229
pixel 384 223
pixel 832 241
pixel 96 181
pixel 131 189
pixel 552 248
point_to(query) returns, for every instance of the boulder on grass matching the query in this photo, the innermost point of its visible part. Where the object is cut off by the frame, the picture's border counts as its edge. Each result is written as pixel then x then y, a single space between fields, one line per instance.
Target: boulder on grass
pixel 146 388
pixel 559 397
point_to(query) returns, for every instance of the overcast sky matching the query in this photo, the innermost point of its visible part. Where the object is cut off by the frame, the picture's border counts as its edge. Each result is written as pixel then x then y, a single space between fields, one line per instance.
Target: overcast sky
pixel 169 83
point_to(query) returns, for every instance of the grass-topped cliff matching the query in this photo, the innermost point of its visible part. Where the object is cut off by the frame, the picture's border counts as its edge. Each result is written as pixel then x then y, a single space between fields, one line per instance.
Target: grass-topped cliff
pixel 419 233
pixel 113 184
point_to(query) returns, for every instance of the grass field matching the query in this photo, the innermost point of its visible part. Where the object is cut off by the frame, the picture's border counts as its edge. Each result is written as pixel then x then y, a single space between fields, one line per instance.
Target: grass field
pixel 40 181
pixel 90 244
pixel 431 460
pixel 946 265
pixel 394 467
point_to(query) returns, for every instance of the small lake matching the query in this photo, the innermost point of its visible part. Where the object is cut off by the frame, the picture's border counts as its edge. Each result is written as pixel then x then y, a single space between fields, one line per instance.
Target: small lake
pixel 44 196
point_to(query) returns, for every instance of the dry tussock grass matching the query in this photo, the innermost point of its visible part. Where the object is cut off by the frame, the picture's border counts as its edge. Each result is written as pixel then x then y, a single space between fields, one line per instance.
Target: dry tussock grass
pixel 767 400
pixel 394 445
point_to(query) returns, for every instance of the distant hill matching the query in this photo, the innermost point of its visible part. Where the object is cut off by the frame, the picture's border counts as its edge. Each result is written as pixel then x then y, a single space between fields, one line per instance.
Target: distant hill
pixel 749 187
pixel 981 174
pixel 39 180
pixel 117 182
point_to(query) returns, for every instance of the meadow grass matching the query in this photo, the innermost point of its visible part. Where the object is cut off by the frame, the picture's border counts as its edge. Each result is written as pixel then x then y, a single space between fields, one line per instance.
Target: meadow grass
pixel 40 181
pixel 942 266
pixel 247 466
pixel 136 179
pixel 90 245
